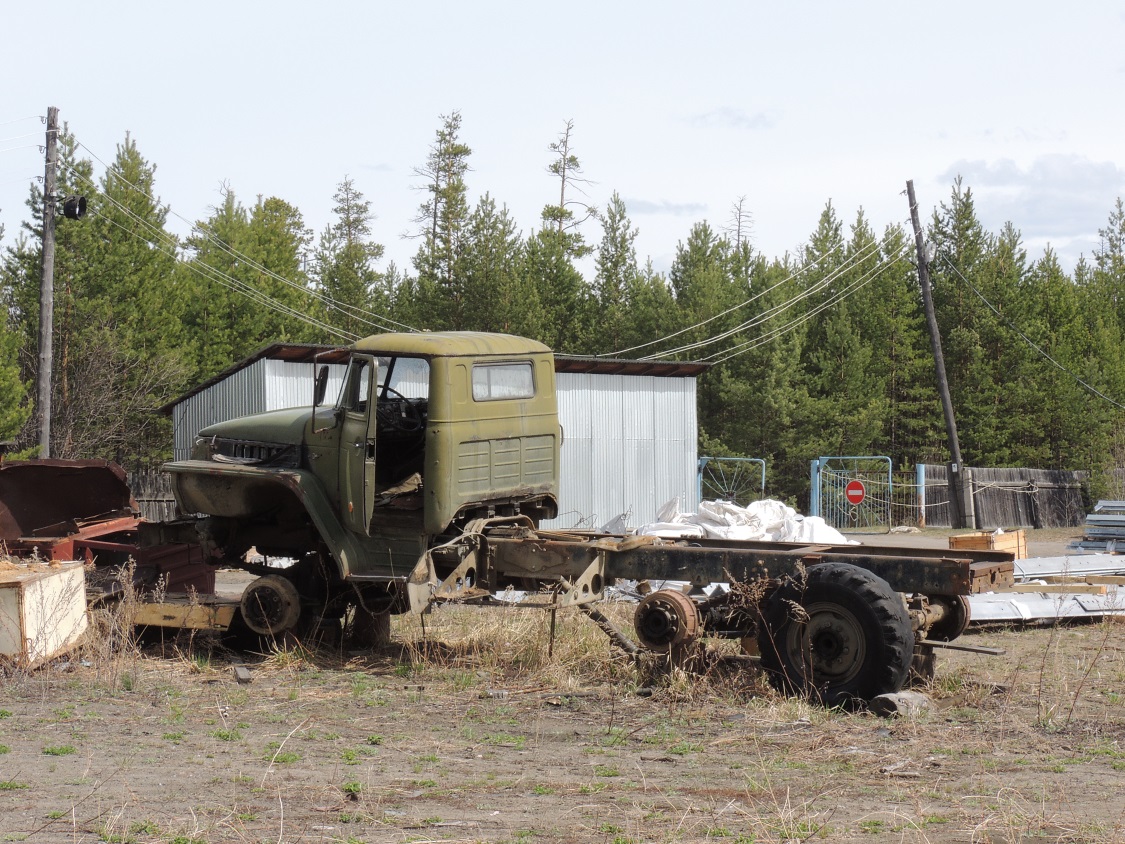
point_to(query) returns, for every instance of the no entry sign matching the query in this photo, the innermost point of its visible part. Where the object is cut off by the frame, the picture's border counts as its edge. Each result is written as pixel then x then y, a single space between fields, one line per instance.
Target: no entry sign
pixel 855 492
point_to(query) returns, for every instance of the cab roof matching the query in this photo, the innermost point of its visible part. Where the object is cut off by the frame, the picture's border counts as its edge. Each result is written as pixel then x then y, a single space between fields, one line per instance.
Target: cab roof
pixel 450 344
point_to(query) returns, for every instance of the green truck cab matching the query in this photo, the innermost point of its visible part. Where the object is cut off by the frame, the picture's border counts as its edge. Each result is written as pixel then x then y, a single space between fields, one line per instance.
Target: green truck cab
pixel 429 432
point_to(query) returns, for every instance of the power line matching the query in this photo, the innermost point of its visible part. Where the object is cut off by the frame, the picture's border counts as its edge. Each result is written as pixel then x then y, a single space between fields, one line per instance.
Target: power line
pixel 773 311
pixel 212 274
pixel 352 310
pixel 756 296
pixel 355 312
pixel 345 309
pixel 719 315
pixel 38 117
pixel 167 243
pixel 18 137
pixel 836 298
pixel 1027 339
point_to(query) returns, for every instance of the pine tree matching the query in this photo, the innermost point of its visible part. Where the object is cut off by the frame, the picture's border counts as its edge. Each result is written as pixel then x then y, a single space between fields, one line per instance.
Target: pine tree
pixel 559 291
pixel 760 394
pixel 564 297
pixel 131 334
pixel 118 311
pixel 650 308
pixel 616 276
pixel 569 214
pixel 889 312
pixel 344 266
pixel 702 286
pixel 967 329
pixel 496 296
pixel 15 405
pixel 846 404
pixel 279 242
pixel 444 217
pixel 220 314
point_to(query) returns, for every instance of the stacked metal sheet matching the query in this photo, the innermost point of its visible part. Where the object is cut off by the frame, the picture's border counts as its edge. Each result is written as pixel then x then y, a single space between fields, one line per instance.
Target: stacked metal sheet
pixel 1105 529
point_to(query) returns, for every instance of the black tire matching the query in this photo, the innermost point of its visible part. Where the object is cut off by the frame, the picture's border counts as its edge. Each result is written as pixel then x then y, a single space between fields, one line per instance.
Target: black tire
pixel 841 636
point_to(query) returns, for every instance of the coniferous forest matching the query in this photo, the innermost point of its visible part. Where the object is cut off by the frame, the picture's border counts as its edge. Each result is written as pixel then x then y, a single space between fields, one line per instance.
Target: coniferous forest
pixel 823 352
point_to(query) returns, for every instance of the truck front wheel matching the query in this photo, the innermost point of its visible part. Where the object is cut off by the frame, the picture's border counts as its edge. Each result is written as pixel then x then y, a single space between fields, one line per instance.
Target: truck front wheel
pixel 271 605
pixel 840 636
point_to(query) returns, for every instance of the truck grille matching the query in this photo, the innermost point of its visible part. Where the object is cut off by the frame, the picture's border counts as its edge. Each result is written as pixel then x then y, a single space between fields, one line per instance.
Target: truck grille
pixel 253 453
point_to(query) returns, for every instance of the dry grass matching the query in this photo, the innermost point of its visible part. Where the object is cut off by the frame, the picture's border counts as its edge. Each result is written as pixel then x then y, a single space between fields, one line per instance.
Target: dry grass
pixel 467 730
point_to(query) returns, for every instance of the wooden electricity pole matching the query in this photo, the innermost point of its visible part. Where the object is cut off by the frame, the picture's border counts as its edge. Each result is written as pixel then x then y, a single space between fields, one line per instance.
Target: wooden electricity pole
pixel 961 504
pixel 47 285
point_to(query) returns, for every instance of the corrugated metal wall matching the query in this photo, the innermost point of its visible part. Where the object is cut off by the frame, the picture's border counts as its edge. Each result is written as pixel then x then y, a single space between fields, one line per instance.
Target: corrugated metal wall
pixel 241 394
pixel 264 385
pixel 291 384
pixel 629 445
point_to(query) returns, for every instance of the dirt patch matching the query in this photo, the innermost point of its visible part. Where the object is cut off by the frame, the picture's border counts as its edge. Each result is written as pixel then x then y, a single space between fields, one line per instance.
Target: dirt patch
pixel 470 733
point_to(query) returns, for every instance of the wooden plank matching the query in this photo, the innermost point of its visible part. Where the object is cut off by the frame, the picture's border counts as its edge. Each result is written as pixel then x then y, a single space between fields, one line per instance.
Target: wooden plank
pixel 1013 541
pixel 1106 579
pixel 1056 588
pixel 186 616
pixel 1092 579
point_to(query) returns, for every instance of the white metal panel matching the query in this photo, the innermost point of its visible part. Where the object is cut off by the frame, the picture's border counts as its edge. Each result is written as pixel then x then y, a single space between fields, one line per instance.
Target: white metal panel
pixel 290 384
pixel 241 394
pixel 629 446
pixel 42 611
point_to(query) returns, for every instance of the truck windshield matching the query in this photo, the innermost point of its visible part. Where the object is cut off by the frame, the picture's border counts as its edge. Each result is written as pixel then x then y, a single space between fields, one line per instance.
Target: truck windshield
pixel 409 377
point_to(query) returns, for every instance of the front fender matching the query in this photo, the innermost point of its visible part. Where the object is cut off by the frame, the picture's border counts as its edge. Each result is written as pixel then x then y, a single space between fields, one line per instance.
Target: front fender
pixel 240 492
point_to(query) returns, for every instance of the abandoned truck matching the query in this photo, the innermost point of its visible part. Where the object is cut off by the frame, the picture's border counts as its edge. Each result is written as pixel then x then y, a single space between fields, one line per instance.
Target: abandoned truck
pixel 427 479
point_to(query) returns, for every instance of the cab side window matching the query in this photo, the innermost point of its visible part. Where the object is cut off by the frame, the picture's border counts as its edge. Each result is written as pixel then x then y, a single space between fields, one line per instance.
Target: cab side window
pixel 354 396
pixel 496 381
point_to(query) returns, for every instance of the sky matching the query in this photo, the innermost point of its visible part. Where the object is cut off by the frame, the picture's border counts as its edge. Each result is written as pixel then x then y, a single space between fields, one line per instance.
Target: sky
pixel 680 108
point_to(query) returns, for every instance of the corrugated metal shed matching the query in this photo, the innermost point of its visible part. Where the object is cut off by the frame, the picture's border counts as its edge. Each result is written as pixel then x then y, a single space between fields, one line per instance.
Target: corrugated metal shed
pixel 629 427
pixel 264 384
pixel 629 445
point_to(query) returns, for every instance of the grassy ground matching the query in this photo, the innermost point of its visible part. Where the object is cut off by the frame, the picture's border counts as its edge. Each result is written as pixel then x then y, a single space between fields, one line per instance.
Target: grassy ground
pixel 468 731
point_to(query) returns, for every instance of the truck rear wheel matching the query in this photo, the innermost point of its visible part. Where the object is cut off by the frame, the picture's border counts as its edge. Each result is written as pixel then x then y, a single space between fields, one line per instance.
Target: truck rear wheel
pixel 666 620
pixel 271 605
pixel 954 621
pixel 841 636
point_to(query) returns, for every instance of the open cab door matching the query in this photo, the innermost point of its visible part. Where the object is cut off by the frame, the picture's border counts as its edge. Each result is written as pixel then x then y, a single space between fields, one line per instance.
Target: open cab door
pixel 357 443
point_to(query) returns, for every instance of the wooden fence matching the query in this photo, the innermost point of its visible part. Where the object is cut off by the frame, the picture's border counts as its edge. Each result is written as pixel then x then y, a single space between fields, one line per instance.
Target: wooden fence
pixel 152 491
pixel 1011 498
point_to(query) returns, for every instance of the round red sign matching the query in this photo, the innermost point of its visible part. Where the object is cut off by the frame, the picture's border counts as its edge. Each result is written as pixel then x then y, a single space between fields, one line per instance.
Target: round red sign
pixel 855 492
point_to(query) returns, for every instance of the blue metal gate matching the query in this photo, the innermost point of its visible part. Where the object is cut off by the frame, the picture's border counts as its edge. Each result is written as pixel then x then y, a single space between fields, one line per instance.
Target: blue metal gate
pixel 852 493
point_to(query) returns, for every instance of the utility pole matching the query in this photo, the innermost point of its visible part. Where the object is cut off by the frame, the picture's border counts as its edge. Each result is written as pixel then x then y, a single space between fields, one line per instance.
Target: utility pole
pixel 47 284
pixel 960 486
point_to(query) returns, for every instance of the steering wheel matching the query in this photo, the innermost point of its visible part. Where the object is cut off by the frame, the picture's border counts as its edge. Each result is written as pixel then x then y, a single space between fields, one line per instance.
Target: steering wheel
pixel 400 415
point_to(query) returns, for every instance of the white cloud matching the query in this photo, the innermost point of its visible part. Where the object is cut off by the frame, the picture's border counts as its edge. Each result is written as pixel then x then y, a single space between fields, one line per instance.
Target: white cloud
pixel 1058 199
pixel 663 206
